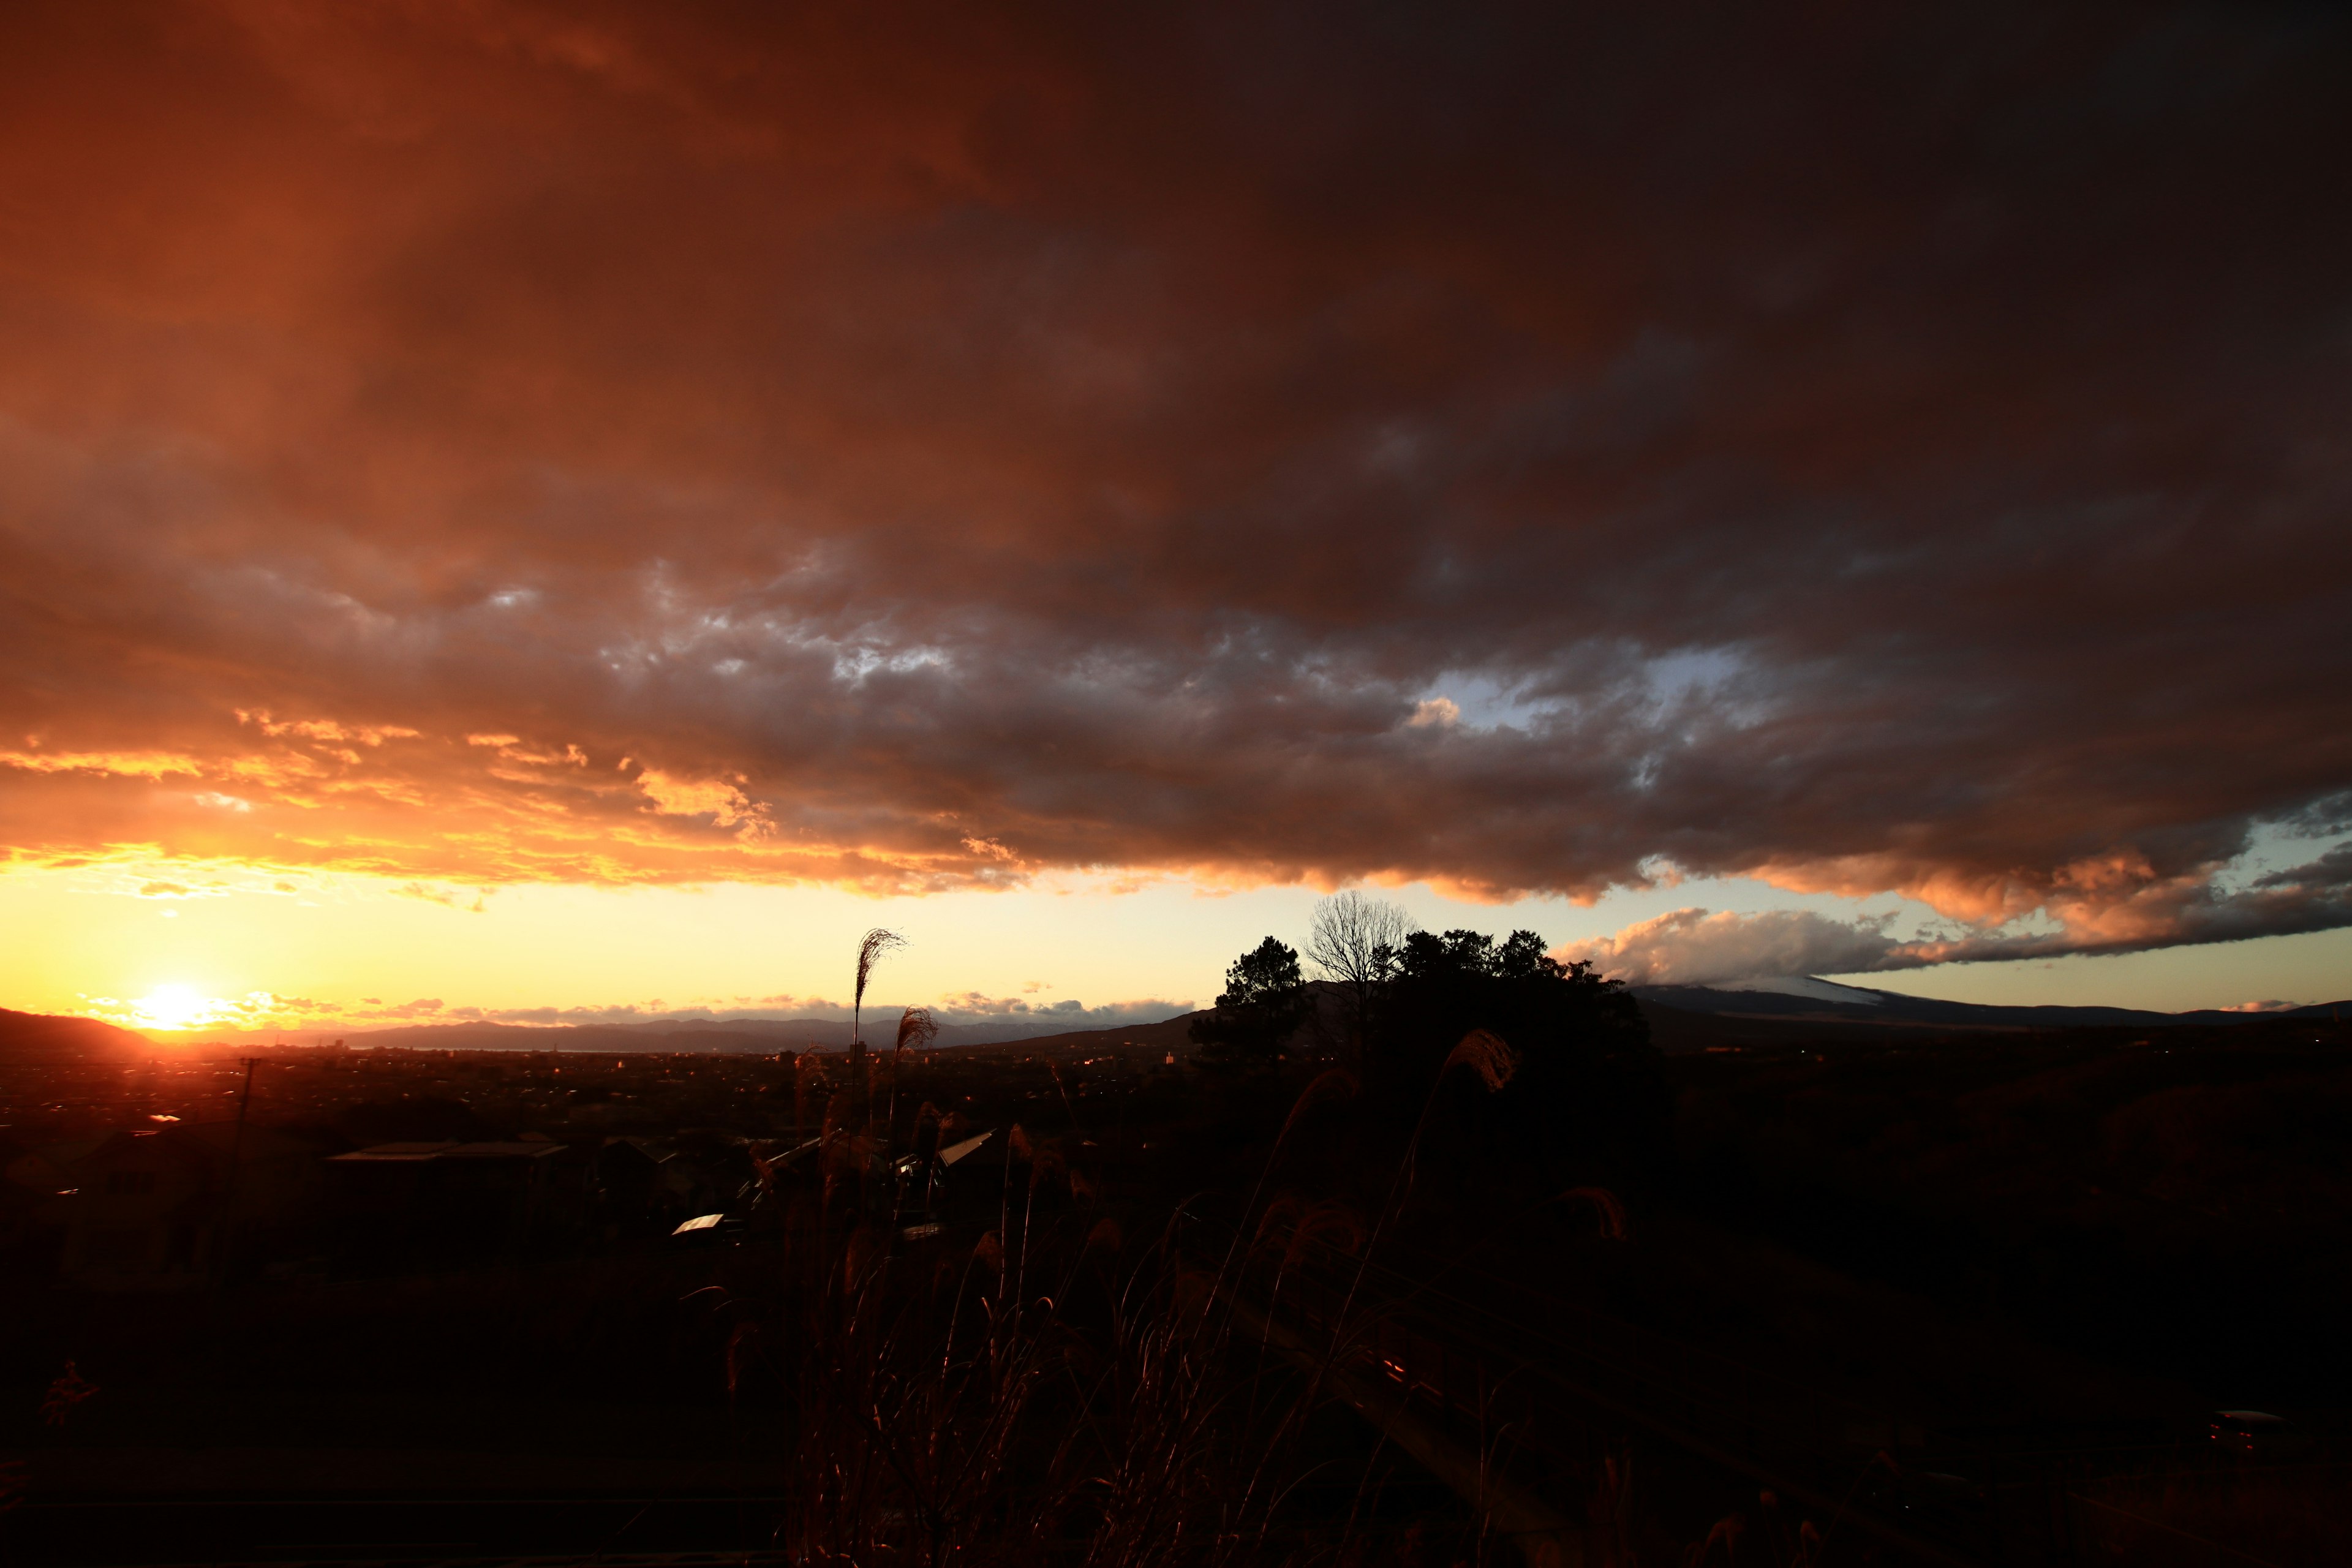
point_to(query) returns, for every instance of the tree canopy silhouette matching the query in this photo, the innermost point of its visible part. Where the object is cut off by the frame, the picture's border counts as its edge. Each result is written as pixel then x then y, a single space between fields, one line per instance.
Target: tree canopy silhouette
pixel 1591 1087
pixel 1262 1005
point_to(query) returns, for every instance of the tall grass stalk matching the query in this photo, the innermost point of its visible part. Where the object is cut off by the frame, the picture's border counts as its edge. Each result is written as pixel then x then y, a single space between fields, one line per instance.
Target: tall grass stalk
pixel 1493 1062
pixel 937 1414
pixel 942 1408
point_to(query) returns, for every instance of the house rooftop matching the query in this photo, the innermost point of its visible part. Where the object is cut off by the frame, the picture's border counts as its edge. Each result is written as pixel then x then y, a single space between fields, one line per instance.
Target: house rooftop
pixel 413 1153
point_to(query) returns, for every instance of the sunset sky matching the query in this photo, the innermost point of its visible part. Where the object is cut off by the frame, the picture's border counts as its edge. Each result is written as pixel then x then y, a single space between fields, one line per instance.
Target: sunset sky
pixel 544 511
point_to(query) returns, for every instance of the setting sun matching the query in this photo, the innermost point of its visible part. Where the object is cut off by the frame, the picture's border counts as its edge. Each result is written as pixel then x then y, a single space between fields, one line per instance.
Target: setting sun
pixel 177 1007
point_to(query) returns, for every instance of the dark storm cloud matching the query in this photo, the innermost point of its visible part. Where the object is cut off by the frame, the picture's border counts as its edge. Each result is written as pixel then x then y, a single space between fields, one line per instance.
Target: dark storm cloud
pixel 1527 449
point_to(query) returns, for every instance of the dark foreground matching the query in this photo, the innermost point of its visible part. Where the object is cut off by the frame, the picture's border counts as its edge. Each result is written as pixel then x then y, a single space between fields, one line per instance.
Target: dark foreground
pixel 1973 1299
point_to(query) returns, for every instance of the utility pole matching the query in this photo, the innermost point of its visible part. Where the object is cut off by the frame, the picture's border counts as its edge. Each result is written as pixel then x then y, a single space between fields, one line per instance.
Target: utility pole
pixel 229 1185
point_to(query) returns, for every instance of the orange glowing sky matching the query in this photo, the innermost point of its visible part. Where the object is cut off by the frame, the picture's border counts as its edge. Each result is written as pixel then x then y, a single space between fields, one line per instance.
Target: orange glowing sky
pixel 552 511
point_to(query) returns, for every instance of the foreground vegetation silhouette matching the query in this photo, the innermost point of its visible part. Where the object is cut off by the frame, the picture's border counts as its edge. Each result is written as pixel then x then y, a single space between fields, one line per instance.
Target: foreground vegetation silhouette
pixel 1423 1255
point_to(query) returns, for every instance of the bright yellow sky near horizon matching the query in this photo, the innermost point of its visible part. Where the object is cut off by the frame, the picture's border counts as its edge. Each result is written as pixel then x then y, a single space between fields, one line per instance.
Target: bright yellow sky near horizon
pixel 354 952
pixel 731 451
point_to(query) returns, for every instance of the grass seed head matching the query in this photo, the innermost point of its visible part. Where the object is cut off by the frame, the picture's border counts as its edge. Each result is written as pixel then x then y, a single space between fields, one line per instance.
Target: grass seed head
pixel 1280 1216
pixel 69 1391
pixel 742 1345
pixel 1330 1224
pixel 1485 1054
pixel 1338 1083
pixel 856 1259
pixel 916 1028
pixel 1606 1208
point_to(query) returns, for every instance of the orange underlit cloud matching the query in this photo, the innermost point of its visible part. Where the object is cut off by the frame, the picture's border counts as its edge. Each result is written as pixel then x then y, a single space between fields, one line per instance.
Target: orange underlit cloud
pixel 469 446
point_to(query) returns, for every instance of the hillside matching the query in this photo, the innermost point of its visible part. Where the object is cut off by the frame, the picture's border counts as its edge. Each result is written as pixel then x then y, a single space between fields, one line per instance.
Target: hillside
pixel 28 1037
pixel 1784 1011
pixel 733 1036
pixel 1683 1019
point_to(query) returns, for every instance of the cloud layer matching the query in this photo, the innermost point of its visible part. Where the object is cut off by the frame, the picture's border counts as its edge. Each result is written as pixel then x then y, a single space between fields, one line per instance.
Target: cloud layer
pixel 262 1011
pixel 1532 450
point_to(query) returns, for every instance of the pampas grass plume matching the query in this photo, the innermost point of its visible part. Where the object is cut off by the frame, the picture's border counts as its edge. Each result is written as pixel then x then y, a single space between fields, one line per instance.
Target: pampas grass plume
pixel 1606 1208
pixel 1338 1083
pixel 1485 1054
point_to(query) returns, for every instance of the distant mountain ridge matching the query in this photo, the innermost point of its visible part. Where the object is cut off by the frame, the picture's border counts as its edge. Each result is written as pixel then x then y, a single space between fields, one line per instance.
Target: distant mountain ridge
pixel 1806 999
pixel 743 1036
pixel 1682 1017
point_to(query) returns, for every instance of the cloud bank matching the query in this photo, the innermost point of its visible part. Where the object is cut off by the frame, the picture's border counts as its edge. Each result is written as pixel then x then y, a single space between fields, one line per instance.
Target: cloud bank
pixel 262 1011
pixel 1514 449
pixel 1695 947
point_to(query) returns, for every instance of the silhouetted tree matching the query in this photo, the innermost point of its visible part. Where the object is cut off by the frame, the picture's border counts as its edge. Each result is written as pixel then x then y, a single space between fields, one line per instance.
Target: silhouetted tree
pixel 1262 1005
pixel 1591 1087
pixel 1356 941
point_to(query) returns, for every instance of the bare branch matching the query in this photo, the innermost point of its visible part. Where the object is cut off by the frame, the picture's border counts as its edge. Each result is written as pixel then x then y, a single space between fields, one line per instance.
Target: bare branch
pixel 1354 937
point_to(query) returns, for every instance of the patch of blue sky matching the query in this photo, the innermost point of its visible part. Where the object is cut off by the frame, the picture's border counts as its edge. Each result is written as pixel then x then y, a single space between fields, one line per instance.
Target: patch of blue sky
pixel 1661 691
pixel 1487 703
pixel 2273 847
pixel 1720 681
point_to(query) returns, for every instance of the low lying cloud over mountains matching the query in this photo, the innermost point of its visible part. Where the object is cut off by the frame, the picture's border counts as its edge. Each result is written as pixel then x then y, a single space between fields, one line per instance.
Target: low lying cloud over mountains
pixel 1529 450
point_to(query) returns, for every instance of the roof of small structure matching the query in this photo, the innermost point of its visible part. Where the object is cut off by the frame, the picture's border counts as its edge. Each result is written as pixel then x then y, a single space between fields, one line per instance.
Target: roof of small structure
pixel 514 1149
pixel 388 1152
pixel 414 1154
pixel 954 1151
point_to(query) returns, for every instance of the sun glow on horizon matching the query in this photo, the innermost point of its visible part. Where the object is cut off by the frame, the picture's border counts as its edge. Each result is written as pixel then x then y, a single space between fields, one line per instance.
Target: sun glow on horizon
pixel 335 953
pixel 177 1010
pixel 178 1007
